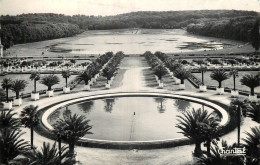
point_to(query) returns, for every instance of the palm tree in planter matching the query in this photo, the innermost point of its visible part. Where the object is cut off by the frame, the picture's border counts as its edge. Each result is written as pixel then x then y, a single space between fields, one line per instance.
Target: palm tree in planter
pixel 219 75
pixel 35 76
pixel 252 81
pixel 49 81
pixel 182 74
pixel 6 85
pixel 202 69
pixel 30 119
pixel 160 71
pixel 86 77
pixel 49 155
pixel 234 74
pixel 66 74
pixel 190 123
pixel 17 87
pixel 108 73
pixel 72 129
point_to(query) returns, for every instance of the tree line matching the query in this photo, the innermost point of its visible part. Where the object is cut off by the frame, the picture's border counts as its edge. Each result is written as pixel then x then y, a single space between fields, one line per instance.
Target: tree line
pixel 38 27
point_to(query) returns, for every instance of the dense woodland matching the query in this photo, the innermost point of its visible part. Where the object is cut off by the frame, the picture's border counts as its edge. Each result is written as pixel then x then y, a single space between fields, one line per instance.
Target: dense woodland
pixel 231 24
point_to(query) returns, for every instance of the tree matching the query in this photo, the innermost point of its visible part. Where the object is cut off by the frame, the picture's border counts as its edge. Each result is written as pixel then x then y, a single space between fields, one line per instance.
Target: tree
pixel 252 81
pixel 49 155
pixel 35 76
pixel 72 129
pixel 66 74
pixel 254 111
pixel 11 145
pixel 190 124
pixel 84 76
pixel 182 74
pixel 7 84
pixel 238 105
pixel 202 70
pixel 18 86
pixel 30 119
pixel 50 80
pixel 234 74
pixel 7 121
pixel 219 75
pixel 108 73
pixel 252 145
pixel 255 38
pixel 160 71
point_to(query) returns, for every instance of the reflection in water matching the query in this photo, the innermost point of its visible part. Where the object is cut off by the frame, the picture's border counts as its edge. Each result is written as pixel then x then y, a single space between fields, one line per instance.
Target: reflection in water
pixel 161 107
pixel 86 106
pixel 66 113
pixel 108 106
pixel 181 105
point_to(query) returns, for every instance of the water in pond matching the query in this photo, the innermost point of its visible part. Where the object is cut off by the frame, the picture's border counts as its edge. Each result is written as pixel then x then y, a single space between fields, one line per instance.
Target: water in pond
pixel 136 41
pixel 130 118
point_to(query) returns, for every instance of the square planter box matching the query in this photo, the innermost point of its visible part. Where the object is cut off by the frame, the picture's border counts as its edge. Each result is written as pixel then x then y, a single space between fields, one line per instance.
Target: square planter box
pixel 220 91
pixel 181 86
pixel 35 96
pixel 177 81
pixel 90 82
pixel 108 86
pixel 160 85
pixel 66 90
pixel 252 98
pixel 87 87
pixel 18 101
pixel 50 93
pixel 203 88
pixel 234 93
pixel 8 105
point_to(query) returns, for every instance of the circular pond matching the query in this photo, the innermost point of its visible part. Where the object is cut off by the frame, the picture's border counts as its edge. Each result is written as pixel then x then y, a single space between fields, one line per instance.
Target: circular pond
pixel 130 118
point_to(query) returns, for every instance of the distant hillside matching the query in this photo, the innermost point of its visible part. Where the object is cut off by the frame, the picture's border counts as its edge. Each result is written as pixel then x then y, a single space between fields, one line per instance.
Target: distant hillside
pixel 230 24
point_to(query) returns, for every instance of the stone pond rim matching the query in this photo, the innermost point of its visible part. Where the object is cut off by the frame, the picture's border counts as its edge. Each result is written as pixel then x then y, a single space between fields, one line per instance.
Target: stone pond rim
pixel 46 127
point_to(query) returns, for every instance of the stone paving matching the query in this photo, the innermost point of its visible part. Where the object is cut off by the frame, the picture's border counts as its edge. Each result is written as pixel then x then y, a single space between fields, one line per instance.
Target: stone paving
pixel 132 80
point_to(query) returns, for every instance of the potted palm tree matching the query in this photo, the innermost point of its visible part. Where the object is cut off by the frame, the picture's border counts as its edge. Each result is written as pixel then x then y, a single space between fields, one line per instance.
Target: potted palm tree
pixel 86 77
pixel 234 74
pixel 35 76
pixel 49 81
pixel 219 75
pixel 182 74
pixel 108 73
pixel 203 87
pixel 66 74
pixel 30 119
pixel 17 87
pixel 72 129
pixel 160 71
pixel 252 81
pixel 6 85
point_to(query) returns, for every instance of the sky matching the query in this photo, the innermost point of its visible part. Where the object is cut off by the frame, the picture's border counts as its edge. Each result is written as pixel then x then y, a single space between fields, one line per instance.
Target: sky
pixel 113 7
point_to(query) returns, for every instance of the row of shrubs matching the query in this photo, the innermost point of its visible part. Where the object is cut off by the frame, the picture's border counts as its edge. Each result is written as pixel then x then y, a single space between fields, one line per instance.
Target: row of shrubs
pixel 156 65
pixel 110 70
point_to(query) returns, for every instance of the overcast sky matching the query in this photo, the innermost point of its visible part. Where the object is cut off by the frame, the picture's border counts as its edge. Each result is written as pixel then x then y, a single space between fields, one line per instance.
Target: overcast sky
pixel 113 7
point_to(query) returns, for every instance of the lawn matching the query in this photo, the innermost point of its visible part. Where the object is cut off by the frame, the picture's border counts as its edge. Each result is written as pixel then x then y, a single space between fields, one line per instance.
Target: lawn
pixel 30 85
pixel 229 82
